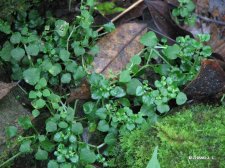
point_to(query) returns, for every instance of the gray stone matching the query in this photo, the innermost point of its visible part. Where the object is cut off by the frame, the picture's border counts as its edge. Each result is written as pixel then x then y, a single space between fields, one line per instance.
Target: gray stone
pixel 10 110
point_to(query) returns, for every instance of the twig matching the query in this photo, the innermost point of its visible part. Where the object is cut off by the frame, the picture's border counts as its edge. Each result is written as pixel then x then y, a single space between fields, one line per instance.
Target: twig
pixel 10 159
pixel 123 13
pixel 211 20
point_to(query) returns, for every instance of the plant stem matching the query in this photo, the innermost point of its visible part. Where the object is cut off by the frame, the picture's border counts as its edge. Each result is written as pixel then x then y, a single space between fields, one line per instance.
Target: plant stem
pixel 162 57
pixel 68 39
pixel 29 57
pixel 75 105
pixel 10 159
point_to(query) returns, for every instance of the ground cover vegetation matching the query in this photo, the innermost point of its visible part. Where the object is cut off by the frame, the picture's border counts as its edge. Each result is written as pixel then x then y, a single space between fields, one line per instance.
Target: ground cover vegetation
pixel 52 55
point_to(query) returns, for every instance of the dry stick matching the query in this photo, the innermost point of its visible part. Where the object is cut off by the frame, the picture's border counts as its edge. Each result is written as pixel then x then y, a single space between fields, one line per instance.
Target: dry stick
pixel 211 20
pixel 123 13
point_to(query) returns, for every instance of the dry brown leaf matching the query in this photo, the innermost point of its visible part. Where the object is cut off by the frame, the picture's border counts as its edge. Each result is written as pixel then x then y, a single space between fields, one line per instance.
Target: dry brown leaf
pixel 161 15
pixel 209 83
pixel 5 88
pixel 118 47
pixel 83 92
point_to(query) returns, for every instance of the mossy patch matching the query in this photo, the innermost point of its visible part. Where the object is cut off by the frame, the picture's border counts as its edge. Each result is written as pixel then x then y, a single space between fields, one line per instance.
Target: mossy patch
pixel 195 132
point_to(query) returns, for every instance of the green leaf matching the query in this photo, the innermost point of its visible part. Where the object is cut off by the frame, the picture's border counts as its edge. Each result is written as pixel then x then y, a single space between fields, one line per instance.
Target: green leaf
pixel 77 128
pixel 5 52
pixel 17 53
pixel 94 50
pixel 107 8
pixel 125 76
pixel 32 49
pixel 109 27
pixel 66 78
pixel 38 104
pixel 130 126
pixel 206 51
pixel 31 75
pixel 47 145
pixel 71 66
pixel 35 113
pixel 124 101
pixel 55 69
pixel 140 91
pixel 90 3
pixel 154 163
pixel 136 60
pixel 172 51
pixel 51 126
pixel 41 155
pixel 64 54
pixel 103 126
pixel 149 39
pixel 46 93
pixel 87 156
pixel 61 27
pixel 181 98
pixel 32 95
pixel 88 107
pixel 118 92
pixel 11 131
pixel 53 164
pixel 110 139
pixel 62 124
pixel 78 49
pixel 25 147
pixel 163 108
pixel 132 86
pixel 15 38
pixel 46 65
pixel 101 113
pixel 5 27
pixel 79 73
pixel 42 82
pixel 73 139
pixel 25 122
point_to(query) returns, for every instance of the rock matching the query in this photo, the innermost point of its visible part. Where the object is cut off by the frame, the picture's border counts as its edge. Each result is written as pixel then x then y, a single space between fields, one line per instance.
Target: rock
pixel 10 110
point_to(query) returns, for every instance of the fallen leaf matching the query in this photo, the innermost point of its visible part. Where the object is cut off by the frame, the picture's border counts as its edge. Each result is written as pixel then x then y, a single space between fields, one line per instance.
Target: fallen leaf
pixel 118 47
pixel 5 88
pixel 209 82
pixel 82 92
pixel 161 15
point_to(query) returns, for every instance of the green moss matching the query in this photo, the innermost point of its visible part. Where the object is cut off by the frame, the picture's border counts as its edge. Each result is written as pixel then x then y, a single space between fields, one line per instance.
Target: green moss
pixel 198 131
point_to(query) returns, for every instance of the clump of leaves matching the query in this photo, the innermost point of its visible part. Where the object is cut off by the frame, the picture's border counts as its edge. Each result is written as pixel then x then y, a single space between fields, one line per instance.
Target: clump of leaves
pixel 184 13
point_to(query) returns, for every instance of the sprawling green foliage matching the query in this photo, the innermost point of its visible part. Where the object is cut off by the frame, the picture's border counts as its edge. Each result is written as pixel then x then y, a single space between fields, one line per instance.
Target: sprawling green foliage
pixel 50 54
pixel 182 138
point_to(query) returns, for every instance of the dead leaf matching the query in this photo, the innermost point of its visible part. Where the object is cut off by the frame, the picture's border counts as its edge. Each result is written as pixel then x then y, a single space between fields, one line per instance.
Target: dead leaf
pixel 83 92
pixel 209 82
pixel 160 13
pixel 118 47
pixel 5 88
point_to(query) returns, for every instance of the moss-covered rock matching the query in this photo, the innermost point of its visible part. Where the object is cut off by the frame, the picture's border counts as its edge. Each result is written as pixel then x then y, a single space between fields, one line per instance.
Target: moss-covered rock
pixel 195 132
